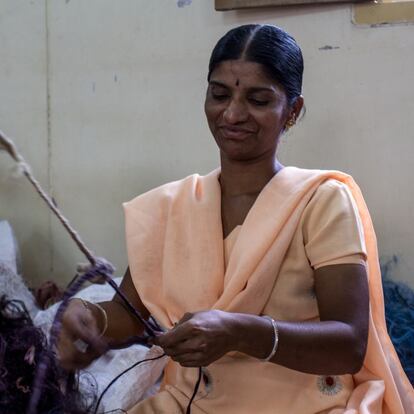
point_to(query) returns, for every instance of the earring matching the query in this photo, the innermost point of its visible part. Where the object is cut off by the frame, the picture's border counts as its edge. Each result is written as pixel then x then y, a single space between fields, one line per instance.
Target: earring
pixel 291 122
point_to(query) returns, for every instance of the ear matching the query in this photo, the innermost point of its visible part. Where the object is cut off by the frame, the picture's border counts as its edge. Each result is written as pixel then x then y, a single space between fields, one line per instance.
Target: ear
pixel 294 113
pixel 297 107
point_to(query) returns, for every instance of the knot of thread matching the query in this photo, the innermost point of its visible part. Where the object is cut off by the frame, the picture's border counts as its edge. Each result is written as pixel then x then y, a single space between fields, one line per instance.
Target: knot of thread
pixel 100 266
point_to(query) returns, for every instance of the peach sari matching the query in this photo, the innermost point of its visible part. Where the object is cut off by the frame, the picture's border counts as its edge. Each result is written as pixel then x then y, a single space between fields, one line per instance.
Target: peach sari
pixel 175 250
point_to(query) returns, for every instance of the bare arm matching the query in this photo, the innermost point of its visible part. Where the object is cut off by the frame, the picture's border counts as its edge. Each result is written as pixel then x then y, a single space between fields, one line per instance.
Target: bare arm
pixel 121 323
pixel 334 345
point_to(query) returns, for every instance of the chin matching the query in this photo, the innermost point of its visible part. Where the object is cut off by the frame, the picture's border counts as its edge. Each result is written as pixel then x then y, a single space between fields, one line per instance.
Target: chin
pixel 240 156
pixel 235 150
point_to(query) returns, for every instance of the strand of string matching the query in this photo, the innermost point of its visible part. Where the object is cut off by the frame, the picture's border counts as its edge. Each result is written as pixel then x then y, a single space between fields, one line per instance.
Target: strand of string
pixel 120 375
pixel 7 144
pixel 195 390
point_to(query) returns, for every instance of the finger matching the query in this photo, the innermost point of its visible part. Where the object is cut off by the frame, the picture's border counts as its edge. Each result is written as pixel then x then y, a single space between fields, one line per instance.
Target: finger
pixel 81 341
pixel 187 347
pixel 180 331
pixel 187 316
pixel 178 334
pixel 93 340
pixel 71 357
pixel 202 362
pixel 196 359
pixel 154 340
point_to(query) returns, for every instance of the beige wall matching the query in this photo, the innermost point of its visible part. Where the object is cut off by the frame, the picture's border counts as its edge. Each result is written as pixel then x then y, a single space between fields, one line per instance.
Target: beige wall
pixel 105 99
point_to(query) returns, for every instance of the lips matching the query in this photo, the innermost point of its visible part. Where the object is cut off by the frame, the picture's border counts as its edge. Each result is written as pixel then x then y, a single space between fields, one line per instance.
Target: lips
pixel 235 133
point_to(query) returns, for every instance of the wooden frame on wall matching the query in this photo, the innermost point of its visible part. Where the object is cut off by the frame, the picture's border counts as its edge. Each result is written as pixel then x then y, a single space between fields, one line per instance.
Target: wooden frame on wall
pixel 365 12
pixel 222 5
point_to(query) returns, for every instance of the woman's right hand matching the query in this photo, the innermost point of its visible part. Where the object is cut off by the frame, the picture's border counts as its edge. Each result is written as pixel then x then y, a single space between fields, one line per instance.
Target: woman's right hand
pixel 80 341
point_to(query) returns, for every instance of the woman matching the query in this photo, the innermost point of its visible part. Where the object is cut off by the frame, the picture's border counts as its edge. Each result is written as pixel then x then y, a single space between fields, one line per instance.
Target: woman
pixel 259 269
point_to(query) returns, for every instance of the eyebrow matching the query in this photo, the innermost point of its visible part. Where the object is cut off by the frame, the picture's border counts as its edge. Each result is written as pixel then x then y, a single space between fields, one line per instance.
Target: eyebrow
pixel 252 89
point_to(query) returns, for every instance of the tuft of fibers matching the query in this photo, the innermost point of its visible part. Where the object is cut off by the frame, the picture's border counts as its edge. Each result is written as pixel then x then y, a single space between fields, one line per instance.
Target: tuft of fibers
pixel 399 315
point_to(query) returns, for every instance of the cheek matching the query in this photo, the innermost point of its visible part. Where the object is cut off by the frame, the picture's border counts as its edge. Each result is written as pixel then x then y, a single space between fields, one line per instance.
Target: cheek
pixel 212 112
pixel 273 121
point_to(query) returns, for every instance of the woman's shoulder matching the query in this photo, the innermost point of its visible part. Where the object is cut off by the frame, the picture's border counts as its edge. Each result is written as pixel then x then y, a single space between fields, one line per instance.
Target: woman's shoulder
pixel 331 226
pixel 193 187
pixel 332 195
pixel 319 184
pixel 164 191
pixel 333 187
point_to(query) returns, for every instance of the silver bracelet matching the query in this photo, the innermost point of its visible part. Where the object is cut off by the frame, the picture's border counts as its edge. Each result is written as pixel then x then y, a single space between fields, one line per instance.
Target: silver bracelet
pixel 275 339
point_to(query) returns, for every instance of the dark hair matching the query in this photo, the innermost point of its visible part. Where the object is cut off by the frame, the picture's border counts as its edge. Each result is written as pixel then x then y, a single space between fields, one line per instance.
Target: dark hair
pixel 21 347
pixel 268 45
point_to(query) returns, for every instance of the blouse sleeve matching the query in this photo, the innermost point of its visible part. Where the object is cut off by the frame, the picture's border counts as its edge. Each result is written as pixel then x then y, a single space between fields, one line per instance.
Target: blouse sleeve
pixel 332 228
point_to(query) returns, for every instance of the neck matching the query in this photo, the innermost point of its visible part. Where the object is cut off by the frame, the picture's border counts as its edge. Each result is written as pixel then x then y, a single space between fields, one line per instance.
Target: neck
pixel 244 177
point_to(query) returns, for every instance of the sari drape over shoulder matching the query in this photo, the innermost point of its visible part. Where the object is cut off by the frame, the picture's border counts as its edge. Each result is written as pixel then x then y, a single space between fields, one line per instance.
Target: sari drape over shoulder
pixel 179 263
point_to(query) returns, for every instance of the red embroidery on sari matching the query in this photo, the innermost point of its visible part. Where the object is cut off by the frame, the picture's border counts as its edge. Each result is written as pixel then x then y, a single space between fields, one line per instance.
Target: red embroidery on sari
pixel 329 384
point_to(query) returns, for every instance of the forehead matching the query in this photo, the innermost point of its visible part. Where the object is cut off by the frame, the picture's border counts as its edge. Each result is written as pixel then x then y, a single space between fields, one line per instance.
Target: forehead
pixel 243 73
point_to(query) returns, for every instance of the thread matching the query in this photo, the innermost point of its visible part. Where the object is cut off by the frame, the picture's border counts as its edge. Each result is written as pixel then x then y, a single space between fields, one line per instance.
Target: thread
pixel 8 145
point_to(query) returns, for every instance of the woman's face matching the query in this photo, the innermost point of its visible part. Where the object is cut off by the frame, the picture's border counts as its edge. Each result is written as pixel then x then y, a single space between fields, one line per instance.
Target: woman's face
pixel 246 110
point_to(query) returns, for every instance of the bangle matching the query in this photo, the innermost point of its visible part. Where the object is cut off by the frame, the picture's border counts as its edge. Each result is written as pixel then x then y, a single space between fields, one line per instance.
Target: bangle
pixel 102 310
pixel 275 339
pixel 105 316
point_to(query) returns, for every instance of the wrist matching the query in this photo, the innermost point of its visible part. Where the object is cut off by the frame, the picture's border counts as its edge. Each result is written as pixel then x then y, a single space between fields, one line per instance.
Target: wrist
pixel 275 337
pixel 254 335
pixel 235 327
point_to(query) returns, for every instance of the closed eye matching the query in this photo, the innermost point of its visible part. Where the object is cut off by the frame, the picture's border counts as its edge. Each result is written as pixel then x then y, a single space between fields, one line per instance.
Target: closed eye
pixel 219 96
pixel 258 102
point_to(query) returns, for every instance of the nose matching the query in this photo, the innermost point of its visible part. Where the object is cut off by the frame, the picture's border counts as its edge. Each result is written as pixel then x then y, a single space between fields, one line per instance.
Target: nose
pixel 235 112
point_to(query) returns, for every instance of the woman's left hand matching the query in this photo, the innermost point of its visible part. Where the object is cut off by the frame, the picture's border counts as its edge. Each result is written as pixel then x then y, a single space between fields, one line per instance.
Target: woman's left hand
pixel 199 338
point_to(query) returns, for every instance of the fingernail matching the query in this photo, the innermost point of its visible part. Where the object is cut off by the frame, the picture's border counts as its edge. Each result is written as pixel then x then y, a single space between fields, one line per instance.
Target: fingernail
pixel 80 345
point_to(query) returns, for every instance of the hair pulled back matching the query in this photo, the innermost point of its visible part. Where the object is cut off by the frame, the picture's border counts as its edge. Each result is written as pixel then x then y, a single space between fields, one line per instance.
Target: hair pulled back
pixel 268 45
